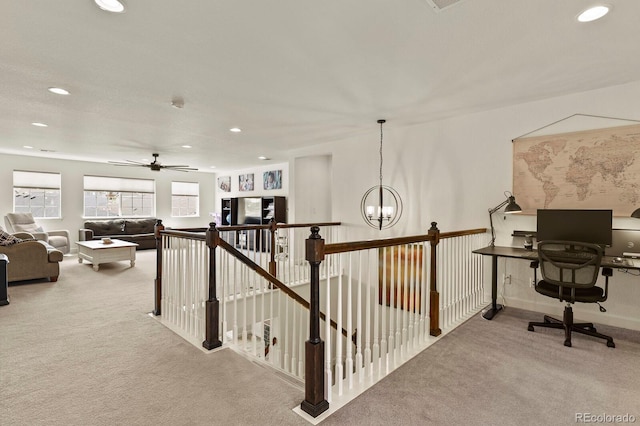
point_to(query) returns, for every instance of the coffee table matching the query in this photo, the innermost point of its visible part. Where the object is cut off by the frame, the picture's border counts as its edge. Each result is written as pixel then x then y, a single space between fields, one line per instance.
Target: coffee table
pixel 97 252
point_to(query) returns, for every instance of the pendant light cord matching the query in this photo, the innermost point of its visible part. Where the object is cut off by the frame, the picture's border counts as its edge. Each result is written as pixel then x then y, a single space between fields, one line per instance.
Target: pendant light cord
pixel 381 123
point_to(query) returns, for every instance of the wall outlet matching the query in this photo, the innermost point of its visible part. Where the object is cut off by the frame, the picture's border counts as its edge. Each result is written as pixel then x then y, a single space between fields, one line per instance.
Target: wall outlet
pixel 506 279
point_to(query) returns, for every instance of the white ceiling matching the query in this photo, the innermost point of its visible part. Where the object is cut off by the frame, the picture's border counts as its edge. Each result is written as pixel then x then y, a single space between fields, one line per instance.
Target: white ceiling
pixel 290 73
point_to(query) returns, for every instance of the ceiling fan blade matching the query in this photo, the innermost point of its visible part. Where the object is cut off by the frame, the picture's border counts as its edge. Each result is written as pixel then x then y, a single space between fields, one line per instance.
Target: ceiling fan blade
pixel 115 163
pixel 182 169
pixel 155 165
pixel 126 162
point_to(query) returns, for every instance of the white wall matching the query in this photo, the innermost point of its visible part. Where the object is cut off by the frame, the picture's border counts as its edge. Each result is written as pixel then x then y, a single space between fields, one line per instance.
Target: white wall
pixel 312 205
pixel 452 171
pixel 72 173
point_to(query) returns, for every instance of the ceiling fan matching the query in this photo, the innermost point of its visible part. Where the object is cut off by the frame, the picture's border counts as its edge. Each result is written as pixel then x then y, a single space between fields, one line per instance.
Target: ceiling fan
pixel 154 165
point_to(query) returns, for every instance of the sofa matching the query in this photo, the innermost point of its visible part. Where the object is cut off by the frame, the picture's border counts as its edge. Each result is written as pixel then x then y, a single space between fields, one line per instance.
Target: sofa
pixel 139 231
pixel 31 259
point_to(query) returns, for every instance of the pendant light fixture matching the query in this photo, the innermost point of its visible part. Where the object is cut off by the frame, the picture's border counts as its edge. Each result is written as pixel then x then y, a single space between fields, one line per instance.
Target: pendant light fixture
pixel 381 205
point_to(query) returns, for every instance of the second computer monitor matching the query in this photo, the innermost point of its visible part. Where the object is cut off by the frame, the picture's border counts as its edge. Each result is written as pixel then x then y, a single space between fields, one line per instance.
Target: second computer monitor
pixel 588 226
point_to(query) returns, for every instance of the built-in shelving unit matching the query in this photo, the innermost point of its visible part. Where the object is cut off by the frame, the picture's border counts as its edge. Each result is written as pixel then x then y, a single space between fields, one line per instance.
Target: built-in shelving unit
pixel 274 208
pixel 270 207
pixel 254 211
pixel 229 211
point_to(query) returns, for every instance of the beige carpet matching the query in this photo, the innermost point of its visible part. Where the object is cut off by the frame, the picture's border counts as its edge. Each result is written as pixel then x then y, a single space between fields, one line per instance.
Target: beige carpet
pixel 83 351
pixel 498 373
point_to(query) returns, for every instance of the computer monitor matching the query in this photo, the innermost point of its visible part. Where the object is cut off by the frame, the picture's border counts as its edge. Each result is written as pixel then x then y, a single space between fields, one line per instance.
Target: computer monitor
pixel 589 226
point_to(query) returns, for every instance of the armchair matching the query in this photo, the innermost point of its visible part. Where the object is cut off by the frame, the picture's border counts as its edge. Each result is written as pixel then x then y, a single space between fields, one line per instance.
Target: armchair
pixel 569 273
pixel 24 222
pixel 30 259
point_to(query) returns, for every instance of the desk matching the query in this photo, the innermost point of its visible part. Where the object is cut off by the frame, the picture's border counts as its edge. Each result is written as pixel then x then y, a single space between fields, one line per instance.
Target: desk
pixel 521 253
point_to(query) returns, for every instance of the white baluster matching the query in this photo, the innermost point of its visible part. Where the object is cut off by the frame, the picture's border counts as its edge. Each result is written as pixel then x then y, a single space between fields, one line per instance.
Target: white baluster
pixel 286 326
pixel 368 363
pixel 400 288
pixel 386 283
pixel 410 305
pixel 339 366
pixel 294 334
pixel 347 341
pixel 359 329
pixel 327 347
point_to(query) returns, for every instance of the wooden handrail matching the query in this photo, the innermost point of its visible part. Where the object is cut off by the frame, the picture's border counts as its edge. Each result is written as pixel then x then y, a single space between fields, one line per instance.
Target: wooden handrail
pixel 389 242
pixel 190 234
pixel 462 233
pixel 273 280
pixel 241 227
pixel 306 225
pixel 370 244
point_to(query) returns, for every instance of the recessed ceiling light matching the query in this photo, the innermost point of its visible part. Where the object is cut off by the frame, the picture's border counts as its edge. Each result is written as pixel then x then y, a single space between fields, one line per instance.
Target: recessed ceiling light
pixel 262 157
pixel 212 167
pixel 187 146
pixel 28 147
pixel 40 124
pixel 110 5
pixel 58 90
pixel 235 129
pixel 593 13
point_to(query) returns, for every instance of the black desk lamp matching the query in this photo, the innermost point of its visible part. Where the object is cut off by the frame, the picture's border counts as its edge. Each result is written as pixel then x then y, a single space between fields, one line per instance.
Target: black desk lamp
pixel 512 207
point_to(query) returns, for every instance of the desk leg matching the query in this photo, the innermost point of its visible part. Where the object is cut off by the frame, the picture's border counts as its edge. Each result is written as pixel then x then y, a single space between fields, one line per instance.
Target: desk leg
pixel 490 312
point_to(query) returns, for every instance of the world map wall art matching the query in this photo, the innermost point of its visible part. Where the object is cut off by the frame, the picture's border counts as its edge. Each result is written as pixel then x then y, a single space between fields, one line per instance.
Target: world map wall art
pixel 593 169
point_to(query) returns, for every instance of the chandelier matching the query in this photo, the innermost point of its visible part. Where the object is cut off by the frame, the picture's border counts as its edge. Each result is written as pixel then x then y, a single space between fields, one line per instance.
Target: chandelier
pixel 381 205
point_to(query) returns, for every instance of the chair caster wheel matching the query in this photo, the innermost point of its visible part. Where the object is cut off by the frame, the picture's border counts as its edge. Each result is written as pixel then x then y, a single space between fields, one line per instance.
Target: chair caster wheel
pixel 567 343
pixel 611 344
pixel 530 328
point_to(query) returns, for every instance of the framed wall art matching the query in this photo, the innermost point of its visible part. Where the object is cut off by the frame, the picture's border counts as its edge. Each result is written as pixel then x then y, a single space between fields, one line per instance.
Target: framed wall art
pixel 272 179
pixel 245 182
pixel 224 183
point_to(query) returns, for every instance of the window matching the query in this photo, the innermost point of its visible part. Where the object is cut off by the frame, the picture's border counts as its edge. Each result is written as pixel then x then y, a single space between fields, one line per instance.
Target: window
pixel 184 199
pixel 37 193
pixel 119 197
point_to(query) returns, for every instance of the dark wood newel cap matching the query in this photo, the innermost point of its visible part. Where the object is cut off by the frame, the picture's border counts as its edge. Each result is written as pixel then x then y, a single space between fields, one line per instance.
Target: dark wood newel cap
pixel 315 233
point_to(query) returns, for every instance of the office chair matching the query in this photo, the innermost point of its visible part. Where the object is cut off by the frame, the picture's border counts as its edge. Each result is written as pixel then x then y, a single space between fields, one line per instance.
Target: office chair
pixel 569 273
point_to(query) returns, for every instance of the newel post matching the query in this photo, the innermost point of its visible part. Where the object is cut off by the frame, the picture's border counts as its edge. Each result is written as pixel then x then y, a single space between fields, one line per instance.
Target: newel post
pixel 434 296
pixel 314 402
pixel 158 281
pixel 212 306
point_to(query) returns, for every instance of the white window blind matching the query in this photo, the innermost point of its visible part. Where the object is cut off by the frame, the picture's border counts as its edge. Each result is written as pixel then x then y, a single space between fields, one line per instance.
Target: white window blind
pixel 102 183
pixel 184 199
pixel 44 180
pixel 185 188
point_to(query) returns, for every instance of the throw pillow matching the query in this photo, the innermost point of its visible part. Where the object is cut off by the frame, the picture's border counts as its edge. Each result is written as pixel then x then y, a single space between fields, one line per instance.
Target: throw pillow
pixel 7 239
pixel 27 227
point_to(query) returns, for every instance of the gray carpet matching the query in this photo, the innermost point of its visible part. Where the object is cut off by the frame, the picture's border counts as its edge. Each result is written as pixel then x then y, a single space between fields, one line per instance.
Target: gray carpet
pixel 496 372
pixel 83 351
